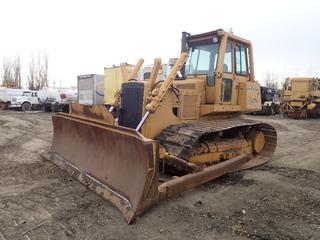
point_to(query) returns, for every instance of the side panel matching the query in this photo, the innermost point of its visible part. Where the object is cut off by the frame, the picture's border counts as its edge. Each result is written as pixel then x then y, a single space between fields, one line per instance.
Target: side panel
pixel 90 89
pixel 301 85
pixel 85 88
pixel 250 96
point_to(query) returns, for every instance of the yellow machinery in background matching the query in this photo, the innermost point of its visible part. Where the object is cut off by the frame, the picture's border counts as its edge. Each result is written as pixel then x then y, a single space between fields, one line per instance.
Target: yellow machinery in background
pixel 112 82
pixel 301 97
pixel 171 135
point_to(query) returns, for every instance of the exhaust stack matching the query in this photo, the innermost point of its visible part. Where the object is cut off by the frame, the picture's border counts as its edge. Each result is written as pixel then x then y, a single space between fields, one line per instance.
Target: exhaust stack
pixel 184 48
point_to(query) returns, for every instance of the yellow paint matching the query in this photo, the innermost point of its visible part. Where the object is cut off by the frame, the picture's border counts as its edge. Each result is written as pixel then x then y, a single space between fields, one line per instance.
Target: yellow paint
pixel 301 94
pixel 112 82
pixel 259 142
pixel 224 150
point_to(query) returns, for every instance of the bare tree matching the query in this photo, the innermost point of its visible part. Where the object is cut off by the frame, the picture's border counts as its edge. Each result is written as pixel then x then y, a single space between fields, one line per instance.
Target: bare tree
pixel 16 67
pixel 271 80
pixel 38 71
pixel 7 73
pixel 32 74
pixel 11 72
pixel 45 67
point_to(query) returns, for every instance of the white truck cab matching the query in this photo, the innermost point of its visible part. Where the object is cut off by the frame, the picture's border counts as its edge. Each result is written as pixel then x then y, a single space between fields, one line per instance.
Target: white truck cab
pixel 27 102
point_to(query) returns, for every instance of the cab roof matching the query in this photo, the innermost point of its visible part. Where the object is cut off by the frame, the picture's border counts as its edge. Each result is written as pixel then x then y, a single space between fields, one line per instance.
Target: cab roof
pixel 204 37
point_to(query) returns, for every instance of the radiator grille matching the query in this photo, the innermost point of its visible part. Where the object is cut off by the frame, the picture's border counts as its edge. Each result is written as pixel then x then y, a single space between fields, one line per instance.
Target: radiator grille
pixel 131 108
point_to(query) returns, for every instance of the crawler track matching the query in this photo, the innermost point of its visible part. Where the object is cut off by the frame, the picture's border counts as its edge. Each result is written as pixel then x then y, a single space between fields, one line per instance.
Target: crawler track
pixel 180 139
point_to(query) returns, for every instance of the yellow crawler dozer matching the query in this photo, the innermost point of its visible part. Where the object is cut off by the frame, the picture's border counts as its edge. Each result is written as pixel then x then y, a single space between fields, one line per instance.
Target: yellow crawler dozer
pixel 173 135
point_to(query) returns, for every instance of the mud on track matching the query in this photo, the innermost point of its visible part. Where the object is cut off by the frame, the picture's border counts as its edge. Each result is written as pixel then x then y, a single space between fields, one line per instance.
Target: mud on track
pixel 279 200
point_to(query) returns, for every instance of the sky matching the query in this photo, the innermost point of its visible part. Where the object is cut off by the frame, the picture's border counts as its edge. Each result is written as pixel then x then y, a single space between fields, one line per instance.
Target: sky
pixel 83 37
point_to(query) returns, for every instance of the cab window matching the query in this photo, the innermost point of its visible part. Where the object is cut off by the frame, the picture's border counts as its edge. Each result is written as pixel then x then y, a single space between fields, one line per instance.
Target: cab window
pixel 241 60
pixel 227 66
pixel 26 94
pixel 202 59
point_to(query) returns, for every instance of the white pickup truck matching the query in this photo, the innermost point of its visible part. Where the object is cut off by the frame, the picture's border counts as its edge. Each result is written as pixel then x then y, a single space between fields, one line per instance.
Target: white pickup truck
pixel 27 102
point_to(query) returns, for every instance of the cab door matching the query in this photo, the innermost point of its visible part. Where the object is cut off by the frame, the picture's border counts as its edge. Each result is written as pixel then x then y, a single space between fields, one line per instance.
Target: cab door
pixel 228 85
pixel 241 63
pixel 235 70
pixel 34 98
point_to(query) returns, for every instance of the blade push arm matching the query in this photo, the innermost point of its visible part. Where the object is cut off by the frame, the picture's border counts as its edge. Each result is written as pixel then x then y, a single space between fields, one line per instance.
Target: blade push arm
pixel 136 69
pixel 154 72
pixel 158 95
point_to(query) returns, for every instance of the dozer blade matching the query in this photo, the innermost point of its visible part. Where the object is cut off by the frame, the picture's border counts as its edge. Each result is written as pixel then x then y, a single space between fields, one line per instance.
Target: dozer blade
pixel 95 112
pixel 117 163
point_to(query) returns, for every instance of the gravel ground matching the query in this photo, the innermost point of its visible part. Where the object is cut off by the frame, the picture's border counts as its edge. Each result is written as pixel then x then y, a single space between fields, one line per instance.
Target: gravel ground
pixel 279 200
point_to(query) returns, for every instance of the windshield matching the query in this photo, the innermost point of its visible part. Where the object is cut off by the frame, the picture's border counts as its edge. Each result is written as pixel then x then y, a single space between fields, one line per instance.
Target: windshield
pixel 26 94
pixel 202 59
